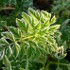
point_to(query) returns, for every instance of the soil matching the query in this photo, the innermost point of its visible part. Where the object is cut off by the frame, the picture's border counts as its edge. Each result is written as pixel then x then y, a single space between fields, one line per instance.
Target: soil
pixel 42 4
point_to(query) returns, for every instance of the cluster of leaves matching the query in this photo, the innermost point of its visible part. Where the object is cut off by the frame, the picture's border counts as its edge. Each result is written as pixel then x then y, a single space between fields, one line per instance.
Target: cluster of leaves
pixel 62 10
pixel 22 3
pixel 62 6
pixel 11 9
pixel 30 45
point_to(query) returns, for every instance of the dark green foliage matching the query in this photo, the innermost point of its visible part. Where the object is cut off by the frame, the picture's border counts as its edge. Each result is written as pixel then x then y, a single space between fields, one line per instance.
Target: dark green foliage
pixel 62 10
pixel 10 10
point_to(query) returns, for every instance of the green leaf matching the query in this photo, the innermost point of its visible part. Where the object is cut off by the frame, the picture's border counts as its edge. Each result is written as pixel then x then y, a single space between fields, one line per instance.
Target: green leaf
pixel 21 69
pixel 30 52
pixel 8 35
pixel 35 55
pixel 7 63
pixel 58 68
pixel 20 24
pixel 33 44
pixel 22 51
pixel 45 24
pixel 3 44
pixel 37 14
pixel 33 14
pixel 26 18
pixel 54 28
pixel 15 32
pixel 38 26
pixel 53 20
pixel 46 15
pixel 16 49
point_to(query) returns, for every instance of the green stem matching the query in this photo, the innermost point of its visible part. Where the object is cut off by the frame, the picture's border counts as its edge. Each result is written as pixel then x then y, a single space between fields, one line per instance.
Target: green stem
pixel 27 60
pixel 29 37
pixel 27 63
pixel 64 64
pixel 58 63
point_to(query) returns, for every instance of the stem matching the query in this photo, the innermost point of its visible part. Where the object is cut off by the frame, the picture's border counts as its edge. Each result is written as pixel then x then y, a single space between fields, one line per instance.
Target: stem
pixel 29 37
pixel 58 63
pixel 8 8
pixel 64 64
pixel 27 60
pixel 27 63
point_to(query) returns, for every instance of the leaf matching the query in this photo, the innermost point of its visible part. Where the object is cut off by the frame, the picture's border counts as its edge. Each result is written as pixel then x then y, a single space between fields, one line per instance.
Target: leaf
pixel 8 51
pixel 1 54
pixel 3 44
pixel 32 23
pixel 38 26
pixel 7 63
pixel 16 49
pixel 21 69
pixel 58 68
pixel 45 24
pixel 20 24
pixel 53 20
pixel 8 35
pixel 22 51
pixel 30 52
pixel 15 32
pixel 26 44
pixel 37 14
pixel 69 66
pixel 54 28
pixel 33 14
pixel 46 15
pixel 26 18
pixel 33 44
pixel 65 23
pixel 36 54
pixel 27 27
